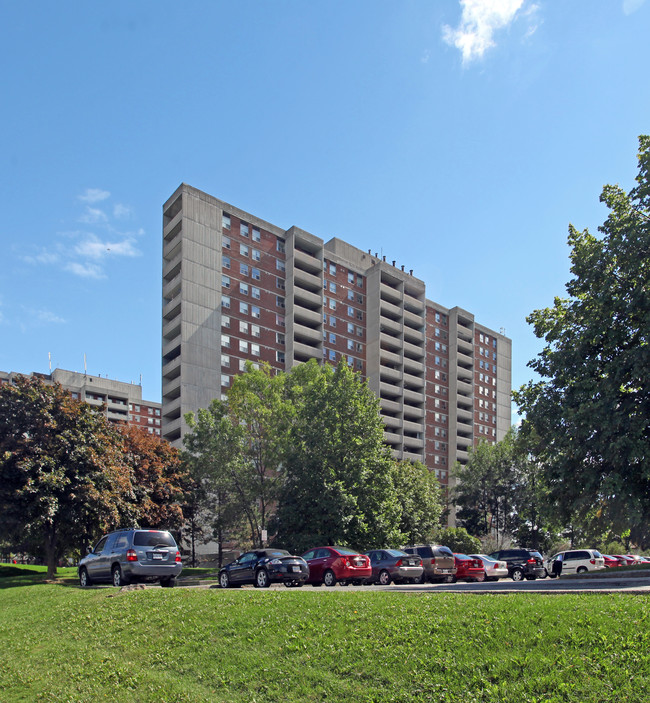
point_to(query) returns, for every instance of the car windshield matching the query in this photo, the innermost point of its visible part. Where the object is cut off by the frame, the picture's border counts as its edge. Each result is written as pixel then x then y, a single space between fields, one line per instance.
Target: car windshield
pixel 275 553
pixel 396 553
pixel 537 555
pixel 153 538
pixel 597 554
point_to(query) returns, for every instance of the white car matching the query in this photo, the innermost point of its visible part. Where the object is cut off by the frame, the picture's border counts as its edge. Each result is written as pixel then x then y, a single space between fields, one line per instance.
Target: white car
pixel 577 561
pixel 494 570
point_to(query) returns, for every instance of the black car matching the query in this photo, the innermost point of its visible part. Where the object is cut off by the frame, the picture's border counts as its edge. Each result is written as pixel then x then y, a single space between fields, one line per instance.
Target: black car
pixel 262 567
pixel 522 563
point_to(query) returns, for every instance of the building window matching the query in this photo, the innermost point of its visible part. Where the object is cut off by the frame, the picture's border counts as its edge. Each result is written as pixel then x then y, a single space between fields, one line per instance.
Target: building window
pixel 359 315
pixel 244 250
pixel 332 355
pixel 225 380
pixel 332 269
pixel 225 221
pixel 257 255
pixel 279 338
pixel 350 345
pixel 350 328
pixel 158 412
pixel 225 301
pixel 255 292
pixel 243 327
pixel 255 349
pixel 243 229
pixel 255 312
pixel 255 274
pixel 279 245
pixel 257 237
pixel 332 321
pixel 226 262
pixel 255 330
pixel 280 265
pixel 225 341
pixel 332 304
pixel 243 288
pixel 359 331
pixel 225 360
pixel 350 277
pixel 359 347
pixel 225 242
pixel 279 320
pixel 279 283
pixel 350 295
pixel 243 346
pixel 279 355
pixel 360 281
pixel 225 321
pixel 243 269
pixel 359 298
pixel 225 281
pixel 332 287
pixel 279 301
pixel 243 308
pixel 332 338
pixel 358 364
pixel 350 311
pixel 242 364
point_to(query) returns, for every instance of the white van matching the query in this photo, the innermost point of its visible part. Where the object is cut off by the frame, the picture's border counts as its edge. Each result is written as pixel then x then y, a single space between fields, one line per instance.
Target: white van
pixel 577 561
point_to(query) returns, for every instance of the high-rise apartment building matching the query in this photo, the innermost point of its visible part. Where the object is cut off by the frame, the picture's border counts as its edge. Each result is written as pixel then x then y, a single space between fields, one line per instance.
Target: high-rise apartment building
pixel 237 289
pixel 119 401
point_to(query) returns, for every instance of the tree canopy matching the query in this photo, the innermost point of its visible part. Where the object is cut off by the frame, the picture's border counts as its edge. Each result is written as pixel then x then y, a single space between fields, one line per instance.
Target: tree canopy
pixel 590 412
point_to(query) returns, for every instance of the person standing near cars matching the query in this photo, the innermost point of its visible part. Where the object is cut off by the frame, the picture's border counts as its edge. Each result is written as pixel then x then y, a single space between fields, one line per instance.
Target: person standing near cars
pixel 557 565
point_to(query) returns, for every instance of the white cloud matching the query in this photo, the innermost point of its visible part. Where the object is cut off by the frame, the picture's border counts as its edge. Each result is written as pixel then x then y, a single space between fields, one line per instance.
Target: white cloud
pixel 121 212
pixel 48 317
pixel 426 55
pixel 92 216
pixel 94 195
pixel 94 248
pixel 85 270
pixel 479 22
pixel 43 257
pixel 630 6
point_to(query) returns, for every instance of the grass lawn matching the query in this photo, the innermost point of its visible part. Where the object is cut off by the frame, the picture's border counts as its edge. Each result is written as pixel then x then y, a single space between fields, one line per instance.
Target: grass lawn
pixel 60 643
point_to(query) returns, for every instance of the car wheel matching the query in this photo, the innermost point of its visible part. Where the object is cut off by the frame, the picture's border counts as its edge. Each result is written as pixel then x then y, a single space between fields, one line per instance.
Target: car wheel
pixel 224 579
pixel 169 582
pixel 449 579
pixel 329 578
pixel 481 578
pixel 517 574
pixel 421 579
pixel 384 578
pixel 582 570
pixel 344 583
pixel 262 579
pixel 531 578
pixel 84 579
pixel 546 574
pixel 118 577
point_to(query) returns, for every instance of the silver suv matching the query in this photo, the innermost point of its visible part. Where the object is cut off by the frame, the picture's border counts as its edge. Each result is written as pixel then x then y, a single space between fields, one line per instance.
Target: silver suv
pixel 132 555
pixel 438 562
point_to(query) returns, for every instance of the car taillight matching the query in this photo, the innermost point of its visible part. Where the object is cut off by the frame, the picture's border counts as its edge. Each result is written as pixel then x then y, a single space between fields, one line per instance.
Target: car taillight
pixel 433 560
pixel 531 561
pixel 592 561
pixel 131 555
pixel 345 561
pixel 399 562
pixel 178 556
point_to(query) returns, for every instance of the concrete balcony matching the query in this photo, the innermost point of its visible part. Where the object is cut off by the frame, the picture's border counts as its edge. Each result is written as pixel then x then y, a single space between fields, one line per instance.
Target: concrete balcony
pixel 172 368
pixel 309 318
pixel 413 427
pixel 390 358
pixel 307 280
pixel 172 308
pixel 171 388
pixel 412 456
pixel 413 367
pixel 392 327
pixel 312 301
pixel 302 352
pixel 413 304
pixel 462 456
pixel 413 414
pixel 413 352
pixel 168 229
pixel 464 374
pixel 462 443
pixel 465 346
pixel 413 382
pixel 306 335
pixel 413 321
pixel 413 397
pixel 389 343
pixel 414 336
pixel 464 415
pixel 464 388
pixel 390 311
pixel 171 347
pixel 389 375
pixel 390 406
pixel 390 294
pixel 172 287
pixel 412 443
pixel 391 422
pixel 389 391
pixel 307 262
pixel 392 438
pixel 170 266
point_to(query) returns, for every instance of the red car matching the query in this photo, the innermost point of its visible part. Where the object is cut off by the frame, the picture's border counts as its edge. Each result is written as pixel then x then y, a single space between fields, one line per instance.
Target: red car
pixel 468 569
pixel 327 565
pixel 612 562
pixel 625 560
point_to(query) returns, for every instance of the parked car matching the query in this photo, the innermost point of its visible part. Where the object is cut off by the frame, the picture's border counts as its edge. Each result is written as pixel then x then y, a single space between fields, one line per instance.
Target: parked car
pixel 437 561
pixel 468 568
pixel 494 570
pixel 612 562
pixel 394 565
pixel 522 563
pixel 131 555
pixel 626 561
pixel 262 567
pixel 637 559
pixel 577 561
pixel 329 565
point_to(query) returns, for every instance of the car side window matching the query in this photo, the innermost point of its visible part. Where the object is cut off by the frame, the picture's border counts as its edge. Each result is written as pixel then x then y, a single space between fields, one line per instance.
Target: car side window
pixel 247 557
pixel 99 547
pixel 425 552
pixel 121 542
pixel 323 553
pixel 309 555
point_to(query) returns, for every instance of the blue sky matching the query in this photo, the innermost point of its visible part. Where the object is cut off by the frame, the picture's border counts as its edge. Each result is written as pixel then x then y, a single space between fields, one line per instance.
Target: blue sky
pixel 458 138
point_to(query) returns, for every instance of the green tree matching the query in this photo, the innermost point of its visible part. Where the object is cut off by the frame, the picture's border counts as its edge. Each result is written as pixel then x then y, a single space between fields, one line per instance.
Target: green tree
pixel 591 407
pixel 213 455
pixel 62 475
pixel 459 540
pixel 419 496
pixel 338 487
pixel 258 403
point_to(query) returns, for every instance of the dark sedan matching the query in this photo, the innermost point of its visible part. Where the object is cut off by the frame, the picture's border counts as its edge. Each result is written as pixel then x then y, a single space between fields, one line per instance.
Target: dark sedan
pixel 394 565
pixel 262 567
